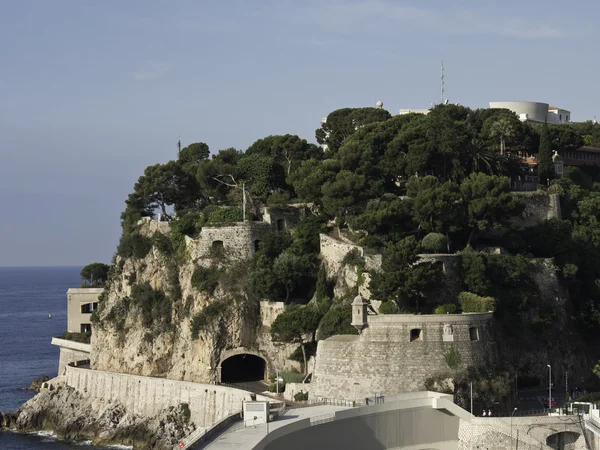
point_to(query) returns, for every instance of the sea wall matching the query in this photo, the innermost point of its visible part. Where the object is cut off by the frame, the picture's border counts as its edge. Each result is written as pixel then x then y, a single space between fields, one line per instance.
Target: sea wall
pixel 146 396
pixel 397 353
pixel 70 352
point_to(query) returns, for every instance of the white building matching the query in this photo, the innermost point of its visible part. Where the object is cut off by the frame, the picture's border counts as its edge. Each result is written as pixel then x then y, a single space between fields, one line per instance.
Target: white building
pixel 536 112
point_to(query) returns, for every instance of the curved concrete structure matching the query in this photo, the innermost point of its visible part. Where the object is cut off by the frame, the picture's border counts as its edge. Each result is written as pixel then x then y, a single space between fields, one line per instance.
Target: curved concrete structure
pixel 535 111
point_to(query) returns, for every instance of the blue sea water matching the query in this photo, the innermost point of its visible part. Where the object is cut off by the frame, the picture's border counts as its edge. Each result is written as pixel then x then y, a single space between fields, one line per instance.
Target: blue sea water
pixel 27 296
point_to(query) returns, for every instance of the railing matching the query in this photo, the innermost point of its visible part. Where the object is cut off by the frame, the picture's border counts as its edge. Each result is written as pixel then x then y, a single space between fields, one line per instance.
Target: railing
pixel 191 439
pixel 324 418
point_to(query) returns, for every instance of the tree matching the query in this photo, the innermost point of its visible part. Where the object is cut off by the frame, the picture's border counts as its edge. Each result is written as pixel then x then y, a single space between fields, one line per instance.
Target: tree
pixel 288 150
pixel 309 178
pixel 157 188
pixel 473 271
pixel 489 201
pixel 95 274
pixel 545 164
pixel 194 153
pixel 296 325
pixel 345 195
pixel 404 279
pixel 289 268
pixel 502 129
pixel 342 123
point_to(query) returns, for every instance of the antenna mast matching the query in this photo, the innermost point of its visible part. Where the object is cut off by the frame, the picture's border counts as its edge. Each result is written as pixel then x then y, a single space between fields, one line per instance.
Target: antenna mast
pixel 179 145
pixel 443 93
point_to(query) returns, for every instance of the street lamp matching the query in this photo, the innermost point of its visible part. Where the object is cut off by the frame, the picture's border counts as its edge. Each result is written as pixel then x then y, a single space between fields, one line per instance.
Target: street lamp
pixel 511 419
pixel 549 387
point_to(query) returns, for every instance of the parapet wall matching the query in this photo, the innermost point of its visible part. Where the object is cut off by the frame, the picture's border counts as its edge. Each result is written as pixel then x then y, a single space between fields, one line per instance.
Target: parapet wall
pixel 70 352
pixel 146 396
pixel 397 353
pixel 239 241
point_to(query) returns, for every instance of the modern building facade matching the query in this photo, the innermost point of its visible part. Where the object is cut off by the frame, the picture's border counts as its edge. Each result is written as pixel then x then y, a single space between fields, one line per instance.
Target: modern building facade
pixel 536 112
pixel 81 303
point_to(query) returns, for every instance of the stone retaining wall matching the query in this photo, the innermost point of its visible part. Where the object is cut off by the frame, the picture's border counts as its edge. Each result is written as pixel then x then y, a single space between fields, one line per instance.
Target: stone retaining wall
pixel 70 351
pixel 147 395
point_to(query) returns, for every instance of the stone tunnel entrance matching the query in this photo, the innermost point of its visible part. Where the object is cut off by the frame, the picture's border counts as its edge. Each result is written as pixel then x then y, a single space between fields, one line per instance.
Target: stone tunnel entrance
pixel 243 367
pixel 563 440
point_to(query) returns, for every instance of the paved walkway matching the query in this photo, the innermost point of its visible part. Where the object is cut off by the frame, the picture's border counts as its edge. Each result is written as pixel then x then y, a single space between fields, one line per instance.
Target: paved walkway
pixel 247 438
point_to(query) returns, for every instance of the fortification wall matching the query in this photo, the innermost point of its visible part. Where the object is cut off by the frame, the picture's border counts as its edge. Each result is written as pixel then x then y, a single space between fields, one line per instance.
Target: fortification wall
pixel 148 227
pixel 239 241
pixel 269 311
pixel 146 396
pixel 285 216
pixel 539 206
pixel 384 359
pixel 70 352
pixel 333 251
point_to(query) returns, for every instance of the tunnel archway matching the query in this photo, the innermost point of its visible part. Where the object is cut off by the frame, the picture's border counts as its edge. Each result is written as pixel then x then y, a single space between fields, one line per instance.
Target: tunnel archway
pixel 243 367
pixel 562 440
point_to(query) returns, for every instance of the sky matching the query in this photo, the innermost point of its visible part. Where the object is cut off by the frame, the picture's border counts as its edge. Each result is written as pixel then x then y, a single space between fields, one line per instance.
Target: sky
pixel 92 92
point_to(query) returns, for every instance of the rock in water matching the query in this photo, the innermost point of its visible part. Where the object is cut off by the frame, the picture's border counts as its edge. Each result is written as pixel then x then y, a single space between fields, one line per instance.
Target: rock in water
pixel 36 385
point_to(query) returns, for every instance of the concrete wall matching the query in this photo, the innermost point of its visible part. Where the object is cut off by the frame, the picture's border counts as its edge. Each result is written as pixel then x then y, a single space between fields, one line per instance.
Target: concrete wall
pixel 70 352
pixel 146 395
pixel 76 297
pixel 384 360
pixel 238 241
pixel 410 423
pixel 269 311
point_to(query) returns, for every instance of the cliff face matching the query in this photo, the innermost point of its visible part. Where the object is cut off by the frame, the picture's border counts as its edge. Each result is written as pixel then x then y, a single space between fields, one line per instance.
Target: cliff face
pixel 123 342
pixel 75 417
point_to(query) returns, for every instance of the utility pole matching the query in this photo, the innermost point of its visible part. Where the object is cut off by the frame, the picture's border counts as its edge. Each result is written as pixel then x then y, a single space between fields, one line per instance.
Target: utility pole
pixel 566 384
pixel 471 397
pixel 243 202
pixel 443 94
pixel 549 388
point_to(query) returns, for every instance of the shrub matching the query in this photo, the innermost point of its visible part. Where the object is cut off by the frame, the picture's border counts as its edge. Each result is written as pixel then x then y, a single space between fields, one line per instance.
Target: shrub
pixel 154 304
pixel 590 397
pixel 470 302
pixel 435 243
pixel 222 214
pixel 336 321
pixel 162 243
pixel 548 238
pixel 208 315
pixel 133 244
pixel 185 411
pixel 205 279
pixel 83 338
pixel 389 307
pixel 354 258
pixel 473 271
pixel 452 357
pixel 301 396
pixel 445 308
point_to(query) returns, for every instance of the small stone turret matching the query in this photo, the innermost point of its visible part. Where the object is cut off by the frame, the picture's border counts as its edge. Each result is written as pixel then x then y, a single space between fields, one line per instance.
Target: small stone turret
pixel 359 313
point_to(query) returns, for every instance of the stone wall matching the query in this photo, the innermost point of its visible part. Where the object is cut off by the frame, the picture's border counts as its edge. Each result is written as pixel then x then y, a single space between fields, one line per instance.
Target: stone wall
pixel 384 360
pixel 285 217
pixel 269 311
pixel 146 396
pixel 539 206
pixel 70 352
pixel 333 251
pixel 292 389
pixel 239 241
pixel 148 227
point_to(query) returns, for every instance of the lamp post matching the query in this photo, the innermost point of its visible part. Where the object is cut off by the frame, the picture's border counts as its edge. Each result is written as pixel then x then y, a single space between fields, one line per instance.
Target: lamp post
pixel 511 420
pixel 471 383
pixel 549 388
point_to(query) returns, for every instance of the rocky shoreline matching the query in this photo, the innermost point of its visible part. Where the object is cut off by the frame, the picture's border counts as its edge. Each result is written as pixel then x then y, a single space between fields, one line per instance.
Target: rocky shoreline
pixel 73 417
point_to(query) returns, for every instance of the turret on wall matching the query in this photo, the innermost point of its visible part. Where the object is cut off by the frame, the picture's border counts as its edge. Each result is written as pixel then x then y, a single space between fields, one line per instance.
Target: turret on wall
pixel 359 313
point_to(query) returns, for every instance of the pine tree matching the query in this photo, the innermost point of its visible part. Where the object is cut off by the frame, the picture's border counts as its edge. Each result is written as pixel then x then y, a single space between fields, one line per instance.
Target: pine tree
pixel 545 164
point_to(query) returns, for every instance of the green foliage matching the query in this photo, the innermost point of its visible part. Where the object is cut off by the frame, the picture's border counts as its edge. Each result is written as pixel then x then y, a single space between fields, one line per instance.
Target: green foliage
pixel 210 314
pixel 301 396
pixel 354 259
pixel 222 214
pixel 590 397
pixel 453 358
pixel 445 308
pixel 470 302
pixel 311 350
pixel 205 279
pixel 545 165
pixel 473 271
pixel 133 244
pixel 389 307
pixel 95 274
pixel 434 243
pixel 155 306
pixel 548 238
pixel 162 243
pixel 83 338
pixel 336 321
pixel 185 411
pixel 323 294
pixel 118 314
pixel 404 279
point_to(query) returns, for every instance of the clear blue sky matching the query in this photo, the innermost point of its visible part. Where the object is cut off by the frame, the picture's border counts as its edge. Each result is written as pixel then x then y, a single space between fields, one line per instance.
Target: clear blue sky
pixel 91 92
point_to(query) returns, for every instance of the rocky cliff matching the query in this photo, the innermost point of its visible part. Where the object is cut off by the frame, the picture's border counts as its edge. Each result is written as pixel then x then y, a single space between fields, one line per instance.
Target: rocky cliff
pixel 124 340
pixel 74 417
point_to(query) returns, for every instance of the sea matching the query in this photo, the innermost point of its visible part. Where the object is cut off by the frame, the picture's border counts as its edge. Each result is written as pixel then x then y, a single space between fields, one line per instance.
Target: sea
pixel 33 309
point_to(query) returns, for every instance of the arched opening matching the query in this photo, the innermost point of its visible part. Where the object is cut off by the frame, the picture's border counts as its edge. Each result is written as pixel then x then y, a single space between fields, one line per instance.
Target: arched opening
pixel 216 249
pixel 243 367
pixel 563 440
pixel 280 224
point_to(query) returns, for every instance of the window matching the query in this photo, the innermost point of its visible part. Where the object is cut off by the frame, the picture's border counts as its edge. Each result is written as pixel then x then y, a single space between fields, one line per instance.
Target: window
pixel 416 334
pixel 560 117
pixel 216 249
pixel 280 224
pixel 474 333
pixel 88 308
pixel 85 328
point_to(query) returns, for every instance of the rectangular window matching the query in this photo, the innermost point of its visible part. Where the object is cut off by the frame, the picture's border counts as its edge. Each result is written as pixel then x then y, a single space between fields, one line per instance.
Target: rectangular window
pixel 474 333
pixel 85 328
pixel 87 308
pixel 416 334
